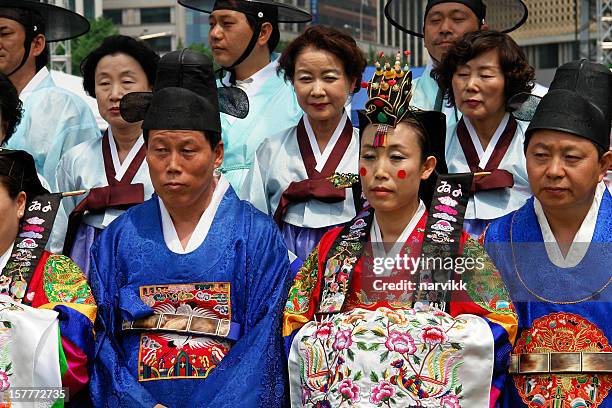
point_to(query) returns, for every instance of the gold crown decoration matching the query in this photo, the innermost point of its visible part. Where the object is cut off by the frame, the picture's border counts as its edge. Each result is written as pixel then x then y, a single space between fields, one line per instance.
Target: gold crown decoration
pixel 389 93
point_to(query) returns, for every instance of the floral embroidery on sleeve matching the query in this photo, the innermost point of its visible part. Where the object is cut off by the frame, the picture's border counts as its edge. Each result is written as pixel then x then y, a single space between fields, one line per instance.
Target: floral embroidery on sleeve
pixel 300 293
pixel 64 282
pixel 483 282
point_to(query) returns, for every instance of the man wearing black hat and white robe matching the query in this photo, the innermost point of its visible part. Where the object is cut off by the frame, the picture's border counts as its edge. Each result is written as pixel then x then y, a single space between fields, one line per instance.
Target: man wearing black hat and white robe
pixel 54 119
pixel 243 35
pixel 554 252
pixel 444 22
pixel 193 281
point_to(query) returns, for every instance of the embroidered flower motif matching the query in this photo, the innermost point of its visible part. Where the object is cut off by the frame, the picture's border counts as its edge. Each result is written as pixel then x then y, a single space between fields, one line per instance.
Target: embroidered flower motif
pixel 349 390
pixel 400 342
pixel 382 392
pixel 354 318
pixel 450 401
pixel 4 381
pixel 334 287
pixel 323 404
pixel 323 331
pixel 343 340
pixel 439 313
pixel 343 276
pixel 396 318
pixel 433 335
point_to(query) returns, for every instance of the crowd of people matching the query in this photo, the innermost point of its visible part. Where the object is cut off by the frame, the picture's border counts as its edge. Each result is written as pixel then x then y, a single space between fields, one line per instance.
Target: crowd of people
pixel 233 239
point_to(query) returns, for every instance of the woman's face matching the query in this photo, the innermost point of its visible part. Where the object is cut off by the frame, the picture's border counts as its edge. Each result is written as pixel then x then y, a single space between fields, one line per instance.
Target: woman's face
pixel 12 210
pixel 391 174
pixel 479 87
pixel 115 76
pixel 321 84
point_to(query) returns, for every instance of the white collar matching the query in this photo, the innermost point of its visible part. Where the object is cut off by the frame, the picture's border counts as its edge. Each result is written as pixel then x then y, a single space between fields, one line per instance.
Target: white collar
pixel 254 83
pixel 201 230
pixel 121 168
pixel 321 158
pixel 33 84
pixel 428 67
pixel 4 258
pixel 485 155
pixel 378 248
pixel 580 242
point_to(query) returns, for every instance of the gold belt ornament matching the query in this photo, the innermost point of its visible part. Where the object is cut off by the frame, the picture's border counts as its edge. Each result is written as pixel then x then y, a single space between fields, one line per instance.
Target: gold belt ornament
pixel 185 324
pixel 561 362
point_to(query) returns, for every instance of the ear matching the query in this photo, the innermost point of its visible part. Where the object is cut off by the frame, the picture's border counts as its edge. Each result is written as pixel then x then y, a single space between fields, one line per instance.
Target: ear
pixel 38 45
pixel 21 203
pixel 219 151
pixel 352 85
pixel 605 164
pixel 428 167
pixel 264 34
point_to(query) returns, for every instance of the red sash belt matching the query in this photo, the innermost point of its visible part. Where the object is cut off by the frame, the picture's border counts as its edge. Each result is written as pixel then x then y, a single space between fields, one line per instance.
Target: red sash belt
pixel 118 194
pixel 316 186
pixel 498 178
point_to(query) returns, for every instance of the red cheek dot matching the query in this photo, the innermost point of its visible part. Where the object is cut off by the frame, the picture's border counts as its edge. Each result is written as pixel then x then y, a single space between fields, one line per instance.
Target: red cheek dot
pixel 363 171
pixel 401 174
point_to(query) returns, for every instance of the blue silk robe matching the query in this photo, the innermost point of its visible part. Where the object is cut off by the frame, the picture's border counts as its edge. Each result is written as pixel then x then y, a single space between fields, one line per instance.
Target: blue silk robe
pixel 544 323
pixel 243 248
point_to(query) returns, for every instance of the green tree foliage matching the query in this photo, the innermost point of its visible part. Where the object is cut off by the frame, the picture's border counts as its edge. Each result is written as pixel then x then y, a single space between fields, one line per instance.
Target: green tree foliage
pixel 82 46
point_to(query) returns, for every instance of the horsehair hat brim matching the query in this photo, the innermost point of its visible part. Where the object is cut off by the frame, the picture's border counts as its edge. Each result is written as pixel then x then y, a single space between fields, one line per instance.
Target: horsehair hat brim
pixel 232 101
pixel 60 23
pixel 500 15
pixel 284 13
pixel 185 96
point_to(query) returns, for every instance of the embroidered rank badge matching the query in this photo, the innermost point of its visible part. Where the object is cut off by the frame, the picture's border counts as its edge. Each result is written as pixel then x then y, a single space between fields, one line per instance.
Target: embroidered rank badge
pixel 166 353
pixel 558 333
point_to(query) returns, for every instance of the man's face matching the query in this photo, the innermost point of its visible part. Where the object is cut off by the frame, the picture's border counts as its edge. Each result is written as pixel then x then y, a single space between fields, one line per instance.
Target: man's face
pixel 12 38
pixel 181 165
pixel 229 36
pixel 446 23
pixel 564 169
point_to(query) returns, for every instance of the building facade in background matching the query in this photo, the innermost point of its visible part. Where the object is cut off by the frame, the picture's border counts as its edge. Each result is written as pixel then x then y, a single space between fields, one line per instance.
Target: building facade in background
pixel 161 23
pixel 557 31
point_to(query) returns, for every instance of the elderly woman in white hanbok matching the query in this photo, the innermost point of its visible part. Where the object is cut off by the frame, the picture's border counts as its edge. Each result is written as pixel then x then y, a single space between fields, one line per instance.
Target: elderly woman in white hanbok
pixel 303 177
pixel 479 74
pixel 113 165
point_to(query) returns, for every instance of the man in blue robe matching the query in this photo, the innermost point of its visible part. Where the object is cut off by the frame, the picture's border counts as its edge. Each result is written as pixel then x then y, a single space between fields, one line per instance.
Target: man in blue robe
pixel 243 35
pixel 54 119
pixel 191 283
pixel 554 252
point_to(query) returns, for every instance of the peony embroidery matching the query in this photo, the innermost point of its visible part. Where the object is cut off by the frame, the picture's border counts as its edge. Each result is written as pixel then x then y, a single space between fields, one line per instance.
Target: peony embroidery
pixel 450 401
pixel 403 343
pixel 417 360
pixel 382 392
pixel 343 340
pixel 348 390
pixel 433 335
pixel 323 331
pixel 4 381
pixel 396 318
